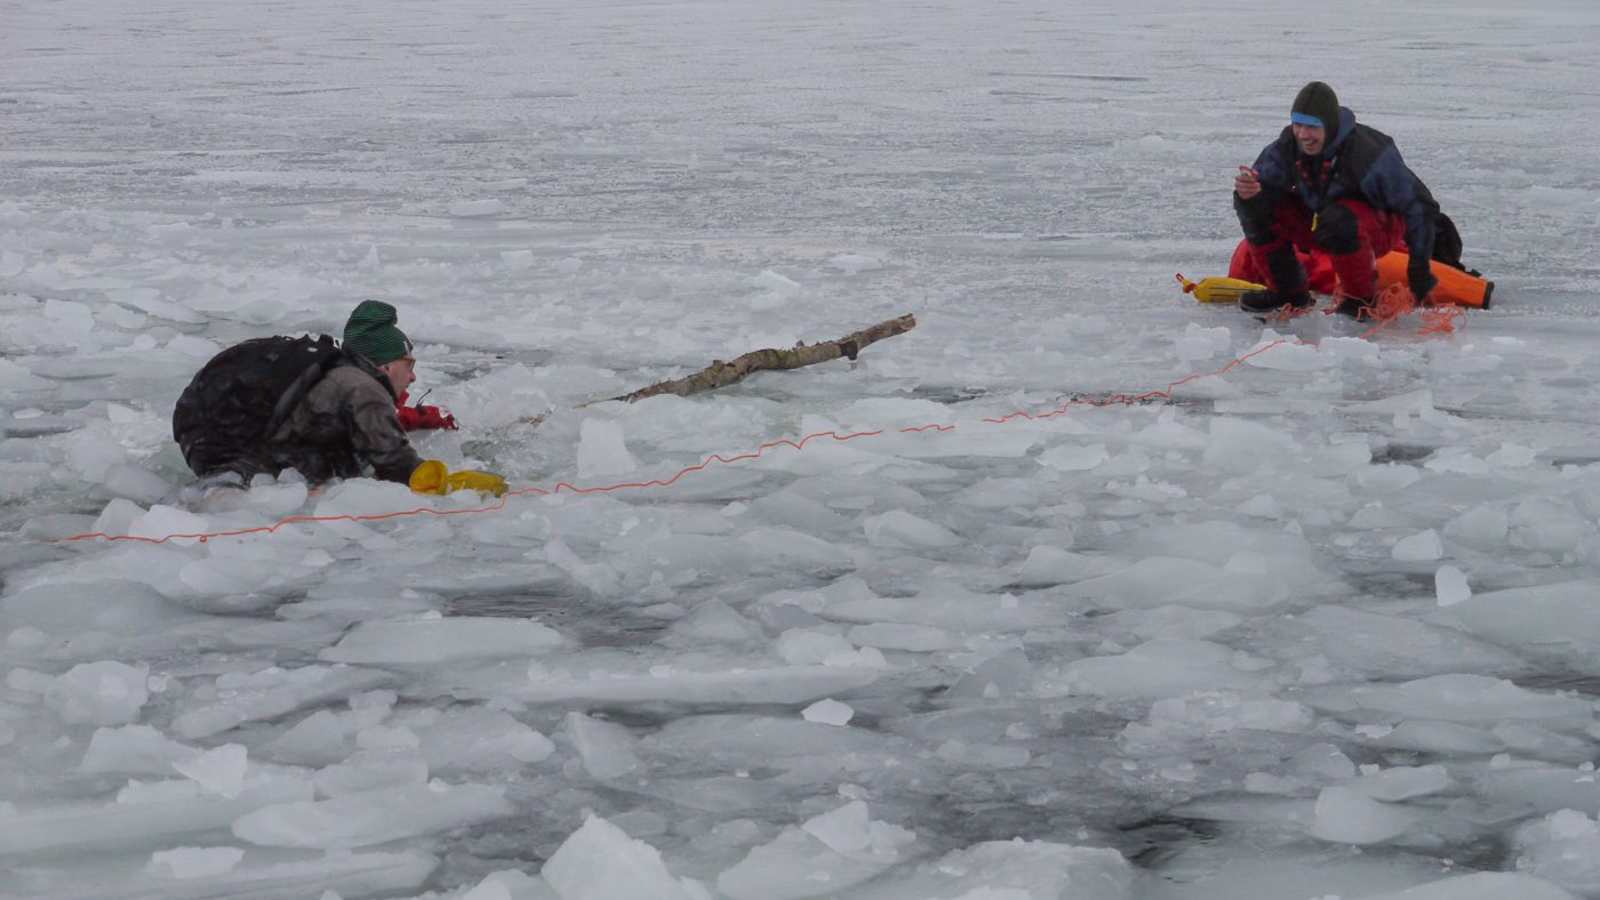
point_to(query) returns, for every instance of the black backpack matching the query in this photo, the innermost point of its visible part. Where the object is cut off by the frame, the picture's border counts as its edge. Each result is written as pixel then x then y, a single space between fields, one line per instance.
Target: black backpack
pixel 243 395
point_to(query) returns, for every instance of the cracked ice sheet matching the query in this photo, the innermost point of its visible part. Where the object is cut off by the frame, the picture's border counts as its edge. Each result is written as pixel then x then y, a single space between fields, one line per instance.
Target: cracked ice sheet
pixel 605 677
pixel 260 874
pixel 840 170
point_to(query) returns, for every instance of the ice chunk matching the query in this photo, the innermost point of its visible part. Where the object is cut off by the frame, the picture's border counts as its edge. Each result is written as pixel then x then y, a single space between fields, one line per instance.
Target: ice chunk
pixel 829 853
pixel 1563 847
pixel 844 830
pixel 100 693
pixel 168 521
pixel 1512 456
pixel 712 680
pixel 517 260
pixel 805 646
pixel 900 529
pixel 372 769
pixel 1283 355
pixel 1552 619
pixel 1439 737
pixel 828 712
pixel 1481 886
pixel 218 771
pixel 1198 342
pixel 1389 478
pixel 1540 787
pixel 1390 646
pixel 372 817
pixel 1215 712
pixel 361 497
pixel 600 862
pixel 1048 565
pixel 1159 668
pixel 777 290
pixel 717 621
pixel 476 739
pixel 1242 446
pixel 605 748
pixel 599 578
pixel 136 483
pixel 1543 743
pixel 1349 816
pixel 1450 586
pixel 321 738
pixel 1166 580
pixel 1404 782
pixel 145 818
pixel 510 884
pixel 1321 762
pixel 1014 870
pixel 472 209
pixel 17 378
pixel 939 604
pixel 977 755
pixel 74 608
pixel 1457 697
pixel 258 874
pixel 602 450
pixel 894 636
pixel 270 693
pixel 195 862
pixel 1481 528
pixel 226 584
pixel 1173 622
pixel 1350 348
pixel 784 548
pixel 429 641
pixel 1005 674
pixel 1074 457
pixel 134 749
pixel 731 741
pixel 1420 547
pixel 854 263
pixel 1548 525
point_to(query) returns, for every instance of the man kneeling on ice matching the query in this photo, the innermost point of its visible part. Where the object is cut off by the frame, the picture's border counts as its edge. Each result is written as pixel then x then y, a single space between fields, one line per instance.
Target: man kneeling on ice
pixel 1332 185
pixel 312 405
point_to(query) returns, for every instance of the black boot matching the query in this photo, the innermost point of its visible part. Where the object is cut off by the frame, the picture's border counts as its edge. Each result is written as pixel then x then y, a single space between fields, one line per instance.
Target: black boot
pixel 1288 284
pixel 1269 300
pixel 1357 307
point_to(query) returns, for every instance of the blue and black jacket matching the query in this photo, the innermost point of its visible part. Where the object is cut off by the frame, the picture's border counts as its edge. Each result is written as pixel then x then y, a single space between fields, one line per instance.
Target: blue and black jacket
pixel 1359 163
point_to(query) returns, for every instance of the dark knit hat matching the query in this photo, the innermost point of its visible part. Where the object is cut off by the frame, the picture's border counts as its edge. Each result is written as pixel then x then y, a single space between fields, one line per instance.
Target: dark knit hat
pixel 371 332
pixel 1316 105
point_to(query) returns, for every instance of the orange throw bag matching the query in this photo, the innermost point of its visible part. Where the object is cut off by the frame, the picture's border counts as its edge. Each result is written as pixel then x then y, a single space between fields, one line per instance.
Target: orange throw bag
pixel 1455 288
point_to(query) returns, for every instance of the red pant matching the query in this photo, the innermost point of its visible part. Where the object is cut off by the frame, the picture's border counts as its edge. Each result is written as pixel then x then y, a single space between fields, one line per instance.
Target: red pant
pixel 1354 272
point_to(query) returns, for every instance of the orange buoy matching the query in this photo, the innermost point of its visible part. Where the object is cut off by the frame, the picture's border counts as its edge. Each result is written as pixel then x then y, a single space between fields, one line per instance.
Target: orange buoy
pixel 1455 288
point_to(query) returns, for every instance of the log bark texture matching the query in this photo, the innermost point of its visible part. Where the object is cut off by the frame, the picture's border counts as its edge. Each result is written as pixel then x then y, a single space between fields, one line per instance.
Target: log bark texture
pixel 722 374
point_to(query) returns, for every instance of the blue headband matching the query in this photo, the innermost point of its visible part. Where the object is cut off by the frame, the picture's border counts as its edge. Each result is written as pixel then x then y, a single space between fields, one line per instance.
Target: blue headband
pixel 1300 118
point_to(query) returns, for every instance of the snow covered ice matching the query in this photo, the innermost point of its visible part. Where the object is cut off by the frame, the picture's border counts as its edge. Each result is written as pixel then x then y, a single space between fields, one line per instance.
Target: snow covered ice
pixel 1319 625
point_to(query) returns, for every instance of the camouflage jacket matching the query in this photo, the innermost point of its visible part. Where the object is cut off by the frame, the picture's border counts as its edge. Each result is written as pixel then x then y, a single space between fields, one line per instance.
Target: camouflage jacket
pixel 346 422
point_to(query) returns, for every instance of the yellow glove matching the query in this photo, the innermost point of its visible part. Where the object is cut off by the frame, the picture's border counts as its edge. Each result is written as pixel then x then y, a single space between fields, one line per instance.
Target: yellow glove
pixel 432 477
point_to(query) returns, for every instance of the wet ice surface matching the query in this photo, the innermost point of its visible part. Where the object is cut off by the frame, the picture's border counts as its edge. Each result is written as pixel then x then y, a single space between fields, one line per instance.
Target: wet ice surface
pixel 1320 626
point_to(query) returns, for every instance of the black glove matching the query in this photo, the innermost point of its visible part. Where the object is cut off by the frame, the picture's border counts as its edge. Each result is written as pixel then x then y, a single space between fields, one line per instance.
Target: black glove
pixel 1420 279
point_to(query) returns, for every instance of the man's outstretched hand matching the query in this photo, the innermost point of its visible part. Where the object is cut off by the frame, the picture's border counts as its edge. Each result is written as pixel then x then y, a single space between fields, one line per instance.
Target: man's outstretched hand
pixel 1246 184
pixel 426 417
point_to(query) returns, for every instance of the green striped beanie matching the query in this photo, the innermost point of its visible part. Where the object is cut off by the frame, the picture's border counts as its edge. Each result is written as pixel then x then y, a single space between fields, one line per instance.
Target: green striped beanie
pixel 371 332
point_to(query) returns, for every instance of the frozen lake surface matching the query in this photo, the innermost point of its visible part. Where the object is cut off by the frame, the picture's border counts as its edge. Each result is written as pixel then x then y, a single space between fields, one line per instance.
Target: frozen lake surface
pixel 1323 624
